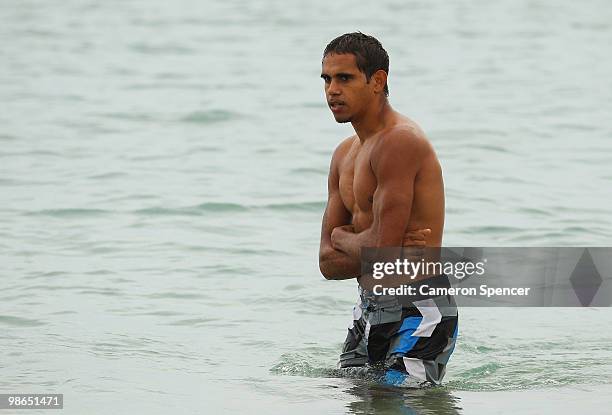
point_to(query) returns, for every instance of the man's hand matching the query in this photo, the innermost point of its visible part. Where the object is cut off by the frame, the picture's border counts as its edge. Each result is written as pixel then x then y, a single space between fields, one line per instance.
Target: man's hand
pixel 337 235
pixel 414 238
pixel 415 242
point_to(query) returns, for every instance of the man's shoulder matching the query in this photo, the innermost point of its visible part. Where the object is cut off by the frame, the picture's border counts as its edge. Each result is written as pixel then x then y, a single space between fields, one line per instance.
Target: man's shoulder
pixel 344 146
pixel 406 139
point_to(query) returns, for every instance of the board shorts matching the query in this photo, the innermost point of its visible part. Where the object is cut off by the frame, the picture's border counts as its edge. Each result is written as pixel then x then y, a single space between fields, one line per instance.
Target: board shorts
pixel 408 342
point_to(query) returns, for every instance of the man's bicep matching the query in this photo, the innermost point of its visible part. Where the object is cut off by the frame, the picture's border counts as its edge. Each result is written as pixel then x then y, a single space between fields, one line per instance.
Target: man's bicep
pixel 392 206
pixel 395 172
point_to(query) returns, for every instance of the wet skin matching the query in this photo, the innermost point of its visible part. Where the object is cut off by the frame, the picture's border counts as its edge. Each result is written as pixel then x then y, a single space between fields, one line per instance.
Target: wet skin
pixel 385 184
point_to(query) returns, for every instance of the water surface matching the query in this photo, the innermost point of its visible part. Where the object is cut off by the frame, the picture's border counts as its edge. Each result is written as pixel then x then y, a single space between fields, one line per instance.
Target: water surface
pixel 163 174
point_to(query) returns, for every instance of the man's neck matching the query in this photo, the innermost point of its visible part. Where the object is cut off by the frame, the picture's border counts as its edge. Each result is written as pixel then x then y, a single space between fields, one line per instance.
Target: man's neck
pixel 375 120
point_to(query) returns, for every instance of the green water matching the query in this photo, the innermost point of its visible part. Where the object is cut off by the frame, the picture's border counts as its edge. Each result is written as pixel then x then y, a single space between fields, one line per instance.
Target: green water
pixel 163 173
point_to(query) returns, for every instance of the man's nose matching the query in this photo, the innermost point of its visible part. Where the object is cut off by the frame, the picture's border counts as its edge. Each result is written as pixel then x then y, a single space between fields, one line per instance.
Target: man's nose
pixel 334 88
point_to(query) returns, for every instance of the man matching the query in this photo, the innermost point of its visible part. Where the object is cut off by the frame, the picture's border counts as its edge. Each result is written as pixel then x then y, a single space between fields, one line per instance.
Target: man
pixel 385 190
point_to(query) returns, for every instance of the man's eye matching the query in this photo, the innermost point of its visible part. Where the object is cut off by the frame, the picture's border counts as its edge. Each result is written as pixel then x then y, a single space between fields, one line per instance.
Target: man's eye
pixel 344 78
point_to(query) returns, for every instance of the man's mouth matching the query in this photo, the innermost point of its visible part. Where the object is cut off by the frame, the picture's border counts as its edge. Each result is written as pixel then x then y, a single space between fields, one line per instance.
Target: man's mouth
pixel 336 106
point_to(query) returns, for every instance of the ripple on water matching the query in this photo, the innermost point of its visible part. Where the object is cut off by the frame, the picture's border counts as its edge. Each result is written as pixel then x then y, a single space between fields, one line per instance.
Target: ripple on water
pixel 306 364
pixel 108 175
pixel 161 49
pixel 301 171
pixel 198 210
pixel 176 295
pixel 313 206
pixel 539 364
pixel 226 207
pixel 480 367
pixel 192 322
pixel 106 292
pixel 211 116
pixel 68 212
pixel 14 321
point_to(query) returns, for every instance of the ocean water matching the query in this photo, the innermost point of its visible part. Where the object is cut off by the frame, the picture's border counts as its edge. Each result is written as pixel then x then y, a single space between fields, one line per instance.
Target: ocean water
pixel 163 175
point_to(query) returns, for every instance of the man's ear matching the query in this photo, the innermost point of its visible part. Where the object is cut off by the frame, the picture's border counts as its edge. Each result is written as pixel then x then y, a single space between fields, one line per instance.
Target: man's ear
pixel 380 80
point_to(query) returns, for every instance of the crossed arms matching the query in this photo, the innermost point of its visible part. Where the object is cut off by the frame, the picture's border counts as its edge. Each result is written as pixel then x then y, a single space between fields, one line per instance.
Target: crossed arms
pixel 395 161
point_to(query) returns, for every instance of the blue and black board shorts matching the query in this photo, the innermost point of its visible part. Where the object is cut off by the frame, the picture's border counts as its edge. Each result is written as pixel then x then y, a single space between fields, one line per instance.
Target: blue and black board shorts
pixel 412 341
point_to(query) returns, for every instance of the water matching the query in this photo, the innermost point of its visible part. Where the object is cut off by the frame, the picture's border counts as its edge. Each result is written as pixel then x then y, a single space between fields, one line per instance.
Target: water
pixel 163 170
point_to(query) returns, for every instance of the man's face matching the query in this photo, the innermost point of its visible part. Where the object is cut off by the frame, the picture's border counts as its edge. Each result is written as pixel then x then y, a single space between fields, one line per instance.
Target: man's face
pixel 346 88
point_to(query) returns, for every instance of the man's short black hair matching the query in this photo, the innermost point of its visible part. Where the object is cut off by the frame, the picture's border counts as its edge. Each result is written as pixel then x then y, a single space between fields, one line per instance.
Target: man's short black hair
pixel 369 53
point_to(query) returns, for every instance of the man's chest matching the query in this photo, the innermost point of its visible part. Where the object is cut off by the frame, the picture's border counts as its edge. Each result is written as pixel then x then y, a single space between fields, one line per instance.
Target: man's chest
pixel 357 182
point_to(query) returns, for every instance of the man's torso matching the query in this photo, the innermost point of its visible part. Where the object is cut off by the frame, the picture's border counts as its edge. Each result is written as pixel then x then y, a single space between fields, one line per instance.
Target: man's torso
pixel 357 184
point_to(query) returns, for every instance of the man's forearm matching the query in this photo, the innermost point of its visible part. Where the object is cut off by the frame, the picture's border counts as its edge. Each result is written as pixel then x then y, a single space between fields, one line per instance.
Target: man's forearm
pixel 350 243
pixel 337 265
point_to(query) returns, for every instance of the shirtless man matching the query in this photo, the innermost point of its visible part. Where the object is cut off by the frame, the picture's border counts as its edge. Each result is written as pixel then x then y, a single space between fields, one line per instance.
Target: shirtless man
pixel 385 190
